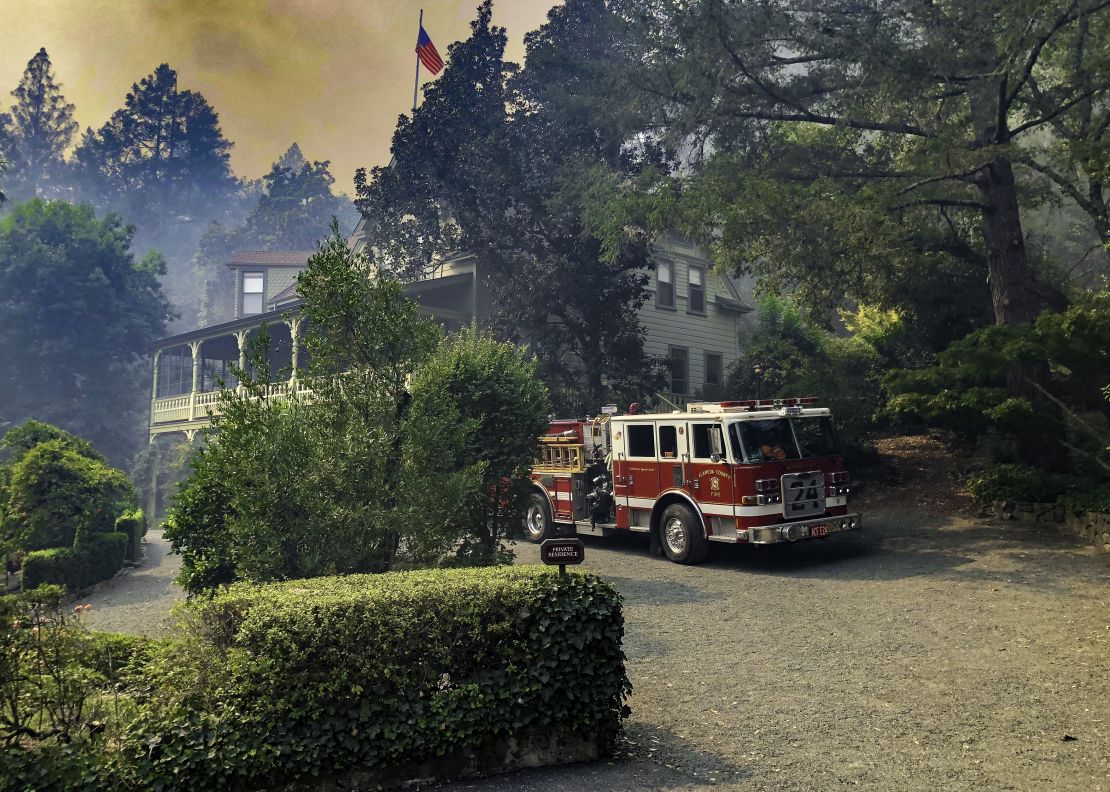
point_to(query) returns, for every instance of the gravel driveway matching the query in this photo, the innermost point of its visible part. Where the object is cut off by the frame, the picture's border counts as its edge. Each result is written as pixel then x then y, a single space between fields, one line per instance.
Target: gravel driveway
pixel 929 652
pixel 933 651
pixel 139 599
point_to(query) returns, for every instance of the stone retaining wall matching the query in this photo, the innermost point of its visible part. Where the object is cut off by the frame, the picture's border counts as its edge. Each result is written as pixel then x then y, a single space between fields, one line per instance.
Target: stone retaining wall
pixel 1092 528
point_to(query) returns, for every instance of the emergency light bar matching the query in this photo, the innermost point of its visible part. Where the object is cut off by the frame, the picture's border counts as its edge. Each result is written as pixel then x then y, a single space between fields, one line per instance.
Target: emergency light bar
pixel 752 405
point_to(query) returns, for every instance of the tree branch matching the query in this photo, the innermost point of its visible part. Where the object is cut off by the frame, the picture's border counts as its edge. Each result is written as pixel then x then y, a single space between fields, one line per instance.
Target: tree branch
pixel 1059 111
pixel 1070 15
pixel 941 202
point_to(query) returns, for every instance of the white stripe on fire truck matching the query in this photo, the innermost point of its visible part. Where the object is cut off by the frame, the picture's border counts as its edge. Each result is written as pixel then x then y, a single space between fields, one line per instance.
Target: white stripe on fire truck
pixel 723 510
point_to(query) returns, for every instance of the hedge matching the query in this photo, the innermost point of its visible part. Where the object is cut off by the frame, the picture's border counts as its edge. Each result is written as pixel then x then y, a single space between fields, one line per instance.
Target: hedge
pixel 290 682
pixel 132 523
pixel 97 558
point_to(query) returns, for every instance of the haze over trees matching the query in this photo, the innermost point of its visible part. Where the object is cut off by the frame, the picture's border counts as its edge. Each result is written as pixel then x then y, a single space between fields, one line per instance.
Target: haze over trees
pixel 77 314
pixel 295 202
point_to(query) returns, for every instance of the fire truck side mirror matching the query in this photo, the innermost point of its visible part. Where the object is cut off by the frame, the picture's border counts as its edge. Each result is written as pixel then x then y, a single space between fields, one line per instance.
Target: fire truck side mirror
pixel 716 447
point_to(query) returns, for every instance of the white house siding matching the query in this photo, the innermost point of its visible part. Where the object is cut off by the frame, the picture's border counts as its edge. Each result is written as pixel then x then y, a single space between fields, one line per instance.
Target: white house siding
pixel 278 279
pixel 715 331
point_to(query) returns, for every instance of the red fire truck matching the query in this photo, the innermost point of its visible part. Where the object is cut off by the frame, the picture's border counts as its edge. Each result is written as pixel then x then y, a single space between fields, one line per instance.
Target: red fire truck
pixel 760 472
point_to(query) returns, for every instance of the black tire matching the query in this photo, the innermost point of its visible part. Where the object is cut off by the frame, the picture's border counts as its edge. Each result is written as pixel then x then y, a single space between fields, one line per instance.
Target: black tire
pixel 537 519
pixel 682 536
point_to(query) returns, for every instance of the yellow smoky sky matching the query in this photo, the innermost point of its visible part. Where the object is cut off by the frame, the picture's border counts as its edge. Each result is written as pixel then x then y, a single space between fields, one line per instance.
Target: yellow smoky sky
pixel 332 75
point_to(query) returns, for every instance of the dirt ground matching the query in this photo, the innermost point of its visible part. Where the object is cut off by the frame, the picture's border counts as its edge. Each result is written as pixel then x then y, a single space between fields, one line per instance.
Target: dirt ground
pixel 933 650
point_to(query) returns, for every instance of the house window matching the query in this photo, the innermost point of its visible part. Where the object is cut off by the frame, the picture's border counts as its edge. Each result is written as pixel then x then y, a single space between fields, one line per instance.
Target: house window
pixel 695 302
pixel 641 440
pixel 664 291
pixel 680 369
pixel 252 293
pixel 714 369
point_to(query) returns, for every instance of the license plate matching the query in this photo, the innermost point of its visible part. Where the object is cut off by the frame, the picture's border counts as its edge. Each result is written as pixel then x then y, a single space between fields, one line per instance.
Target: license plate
pixel 818 531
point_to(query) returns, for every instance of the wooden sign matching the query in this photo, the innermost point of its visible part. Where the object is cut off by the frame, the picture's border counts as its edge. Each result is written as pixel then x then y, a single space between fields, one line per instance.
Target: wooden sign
pixel 562 552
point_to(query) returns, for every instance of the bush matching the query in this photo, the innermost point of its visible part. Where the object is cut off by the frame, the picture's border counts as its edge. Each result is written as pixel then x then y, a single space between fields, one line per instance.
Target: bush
pixel 133 524
pixel 304 679
pixel 55 494
pixel 1095 499
pixel 1017 483
pixel 58 566
pixel 102 556
pixel 96 559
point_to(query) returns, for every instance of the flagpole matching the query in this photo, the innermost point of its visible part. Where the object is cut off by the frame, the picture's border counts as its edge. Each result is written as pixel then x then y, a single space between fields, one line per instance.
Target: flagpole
pixel 416 82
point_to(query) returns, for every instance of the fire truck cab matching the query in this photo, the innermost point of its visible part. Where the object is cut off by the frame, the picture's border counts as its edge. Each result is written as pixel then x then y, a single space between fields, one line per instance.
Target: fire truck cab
pixel 757 472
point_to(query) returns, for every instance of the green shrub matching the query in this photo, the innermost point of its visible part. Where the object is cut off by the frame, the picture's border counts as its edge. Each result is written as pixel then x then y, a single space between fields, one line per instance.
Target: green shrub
pixel 60 566
pixel 102 556
pixel 303 679
pixel 1017 483
pixel 55 494
pixel 133 524
pixel 1095 499
pixel 98 558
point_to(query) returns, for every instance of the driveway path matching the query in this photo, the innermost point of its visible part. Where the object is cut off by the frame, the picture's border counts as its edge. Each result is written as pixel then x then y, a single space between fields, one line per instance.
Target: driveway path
pixel 139 600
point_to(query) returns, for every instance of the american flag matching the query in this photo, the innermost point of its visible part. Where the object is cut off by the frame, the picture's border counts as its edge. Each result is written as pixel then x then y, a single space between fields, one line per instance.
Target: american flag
pixel 427 52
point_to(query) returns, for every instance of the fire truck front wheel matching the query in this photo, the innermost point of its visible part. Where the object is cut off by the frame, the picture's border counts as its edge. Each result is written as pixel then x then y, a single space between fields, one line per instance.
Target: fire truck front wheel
pixel 681 535
pixel 537 519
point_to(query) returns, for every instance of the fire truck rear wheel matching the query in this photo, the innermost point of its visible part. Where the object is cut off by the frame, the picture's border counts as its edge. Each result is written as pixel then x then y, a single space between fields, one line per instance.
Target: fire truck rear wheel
pixel 681 535
pixel 537 519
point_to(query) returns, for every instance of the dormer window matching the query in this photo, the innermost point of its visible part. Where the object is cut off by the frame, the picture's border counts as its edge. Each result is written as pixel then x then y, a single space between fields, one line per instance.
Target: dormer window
pixel 252 293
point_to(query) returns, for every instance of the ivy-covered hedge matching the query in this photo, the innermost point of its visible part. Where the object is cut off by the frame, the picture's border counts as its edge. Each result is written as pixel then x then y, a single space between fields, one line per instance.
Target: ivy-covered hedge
pixel 133 524
pixel 97 558
pixel 1017 483
pixel 305 679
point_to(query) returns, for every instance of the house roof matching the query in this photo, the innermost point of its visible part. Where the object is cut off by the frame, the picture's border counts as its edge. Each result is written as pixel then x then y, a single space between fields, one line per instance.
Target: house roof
pixel 270 258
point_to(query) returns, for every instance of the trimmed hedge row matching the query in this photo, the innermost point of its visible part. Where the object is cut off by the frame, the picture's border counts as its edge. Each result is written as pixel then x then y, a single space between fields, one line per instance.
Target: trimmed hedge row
pixel 132 523
pixel 97 558
pixel 306 679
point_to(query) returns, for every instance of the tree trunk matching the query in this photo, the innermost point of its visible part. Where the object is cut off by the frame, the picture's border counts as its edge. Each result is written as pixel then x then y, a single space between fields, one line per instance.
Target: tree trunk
pixel 1013 291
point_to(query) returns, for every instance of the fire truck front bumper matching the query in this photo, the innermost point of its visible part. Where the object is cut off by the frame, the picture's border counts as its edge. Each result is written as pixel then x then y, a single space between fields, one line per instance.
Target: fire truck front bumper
pixel 803 529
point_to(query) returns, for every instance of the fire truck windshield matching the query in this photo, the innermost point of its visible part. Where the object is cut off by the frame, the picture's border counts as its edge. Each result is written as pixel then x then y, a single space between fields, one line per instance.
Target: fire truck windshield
pixel 778 439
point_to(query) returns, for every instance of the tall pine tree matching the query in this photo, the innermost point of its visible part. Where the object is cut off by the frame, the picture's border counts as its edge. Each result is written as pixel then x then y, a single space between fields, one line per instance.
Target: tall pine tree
pixel 162 162
pixel 37 131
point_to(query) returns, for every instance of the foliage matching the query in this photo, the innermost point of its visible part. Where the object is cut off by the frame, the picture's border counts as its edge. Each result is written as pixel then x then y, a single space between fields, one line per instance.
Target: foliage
pixel 1095 499
pixel 132 524
pixel 53 672
pixel 488 391
pixel 966 390
pixel 311 678
pixel 76 308
pixel 18 440
pixel 37 131
pixel 56 496
pixel 502 187
pixel 830 146
pixel 1008 482
pixel 786 355
pixel 97 558
pixel 352 479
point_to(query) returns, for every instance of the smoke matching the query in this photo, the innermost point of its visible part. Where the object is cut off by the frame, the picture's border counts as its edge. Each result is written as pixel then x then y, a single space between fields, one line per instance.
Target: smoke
pixel 330 74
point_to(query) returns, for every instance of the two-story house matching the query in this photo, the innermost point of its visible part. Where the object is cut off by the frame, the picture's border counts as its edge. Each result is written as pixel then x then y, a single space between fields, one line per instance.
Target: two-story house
pixel 692 318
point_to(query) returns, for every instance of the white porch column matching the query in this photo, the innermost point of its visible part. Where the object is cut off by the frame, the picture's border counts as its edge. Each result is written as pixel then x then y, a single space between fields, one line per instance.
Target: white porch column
pixel 154 386
pixel 195 347
pixel 241 342
pixel 294 323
